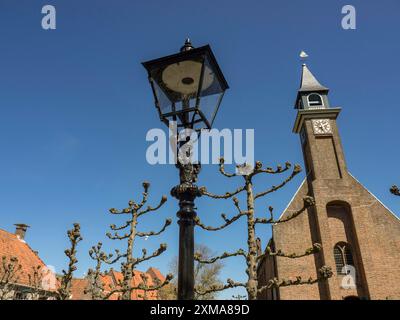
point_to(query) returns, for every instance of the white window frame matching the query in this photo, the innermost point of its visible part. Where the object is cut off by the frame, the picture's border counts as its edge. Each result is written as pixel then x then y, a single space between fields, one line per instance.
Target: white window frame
pixel 312 104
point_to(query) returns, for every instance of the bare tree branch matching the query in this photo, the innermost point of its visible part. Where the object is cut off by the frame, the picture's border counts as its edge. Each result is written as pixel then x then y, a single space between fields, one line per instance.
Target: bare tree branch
pixel 146 288
pixel 324 274
pixel 307 203
pixel 111 258
pixel 115 228
pixel 236 203
pixel 149 208
pixel 225 255
pixel 395 190
pixel 268 252
pixel 279 169
pixel 116 236
pixel 227 195
pixel 161 249
pixel 146 186
pixel 216 288
pixel 153 233
pixel 222 169
pixel 227 222
pixel 296 170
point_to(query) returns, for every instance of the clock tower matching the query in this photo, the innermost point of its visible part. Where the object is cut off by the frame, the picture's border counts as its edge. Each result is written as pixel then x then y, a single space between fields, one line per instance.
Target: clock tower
pixel 360 236
pixel 316 125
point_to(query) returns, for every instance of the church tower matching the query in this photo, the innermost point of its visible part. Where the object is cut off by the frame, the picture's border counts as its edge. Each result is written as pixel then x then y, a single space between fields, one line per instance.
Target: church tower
pixel 360 237
pixel 316 124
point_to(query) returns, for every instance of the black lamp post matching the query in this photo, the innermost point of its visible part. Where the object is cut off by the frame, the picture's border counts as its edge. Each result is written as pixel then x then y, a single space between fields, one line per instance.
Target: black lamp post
pixel 188 88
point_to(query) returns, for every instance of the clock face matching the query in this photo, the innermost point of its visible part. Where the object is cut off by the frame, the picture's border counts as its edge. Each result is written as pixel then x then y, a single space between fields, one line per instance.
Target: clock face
pixel 321 126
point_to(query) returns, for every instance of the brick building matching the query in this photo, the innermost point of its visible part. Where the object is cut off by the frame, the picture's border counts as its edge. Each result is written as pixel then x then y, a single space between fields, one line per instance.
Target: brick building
pixel 359 235
pixel 32 280
pixel 26 286
pixel 111 280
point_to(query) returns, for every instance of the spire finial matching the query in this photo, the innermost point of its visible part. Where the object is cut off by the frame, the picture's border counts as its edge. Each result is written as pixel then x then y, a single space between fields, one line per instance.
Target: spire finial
pixel 187 46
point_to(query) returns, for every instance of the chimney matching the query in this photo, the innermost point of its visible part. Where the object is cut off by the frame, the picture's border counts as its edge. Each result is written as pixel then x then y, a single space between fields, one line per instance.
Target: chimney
pixel 20 230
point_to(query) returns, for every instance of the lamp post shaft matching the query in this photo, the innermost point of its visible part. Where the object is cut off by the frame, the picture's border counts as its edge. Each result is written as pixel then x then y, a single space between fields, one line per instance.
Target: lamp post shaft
pixel 186 215
pixel 186 192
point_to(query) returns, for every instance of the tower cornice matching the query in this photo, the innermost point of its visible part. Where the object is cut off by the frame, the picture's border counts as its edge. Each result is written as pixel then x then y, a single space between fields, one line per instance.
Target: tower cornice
pixel 304 114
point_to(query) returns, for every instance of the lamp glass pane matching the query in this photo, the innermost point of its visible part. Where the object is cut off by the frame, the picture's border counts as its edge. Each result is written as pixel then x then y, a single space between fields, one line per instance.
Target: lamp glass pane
pixel 209 106
pixel 211 84
pixel 163 101
pixel 210 94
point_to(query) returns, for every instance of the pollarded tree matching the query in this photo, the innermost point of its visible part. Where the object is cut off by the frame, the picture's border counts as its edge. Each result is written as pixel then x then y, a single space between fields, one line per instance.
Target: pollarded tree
pixel 134 211
pixel 95 286
pixel 10 271
pixel 74 236
pixel 36 281
pixel 251 255
pixel 395 190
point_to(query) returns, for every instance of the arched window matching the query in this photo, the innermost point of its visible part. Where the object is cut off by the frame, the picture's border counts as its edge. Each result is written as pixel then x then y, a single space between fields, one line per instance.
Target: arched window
pixel 315 100
pixel 343 256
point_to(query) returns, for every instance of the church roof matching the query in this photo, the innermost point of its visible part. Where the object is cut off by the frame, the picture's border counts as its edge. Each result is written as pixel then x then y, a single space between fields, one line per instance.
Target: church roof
pixel 11 246
pixel 309 82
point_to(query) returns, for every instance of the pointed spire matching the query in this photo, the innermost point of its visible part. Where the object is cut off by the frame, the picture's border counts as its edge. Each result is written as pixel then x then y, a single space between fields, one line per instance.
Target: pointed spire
pixel 309 82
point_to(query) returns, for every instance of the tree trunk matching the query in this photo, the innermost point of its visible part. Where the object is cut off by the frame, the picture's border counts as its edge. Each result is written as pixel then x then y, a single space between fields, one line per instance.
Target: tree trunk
pixel 251 260
pixel 128 268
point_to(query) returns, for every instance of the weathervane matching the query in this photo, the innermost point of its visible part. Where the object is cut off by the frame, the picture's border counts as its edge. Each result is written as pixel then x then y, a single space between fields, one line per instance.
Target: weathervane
pixel 303 56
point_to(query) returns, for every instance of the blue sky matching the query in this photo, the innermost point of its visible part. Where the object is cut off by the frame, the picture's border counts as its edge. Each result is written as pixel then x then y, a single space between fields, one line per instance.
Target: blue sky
pixel 75 107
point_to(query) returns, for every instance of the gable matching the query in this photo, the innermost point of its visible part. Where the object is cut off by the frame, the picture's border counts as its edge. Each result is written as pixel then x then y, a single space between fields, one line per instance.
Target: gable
pixel 296 202
pixel 390 214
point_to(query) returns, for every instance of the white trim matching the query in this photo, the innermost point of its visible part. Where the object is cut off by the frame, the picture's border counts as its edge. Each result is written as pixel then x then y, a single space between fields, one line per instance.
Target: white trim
pixel 398 218
pixel 314 113
pixel 315 105
pixel 291 200
pixel 19 238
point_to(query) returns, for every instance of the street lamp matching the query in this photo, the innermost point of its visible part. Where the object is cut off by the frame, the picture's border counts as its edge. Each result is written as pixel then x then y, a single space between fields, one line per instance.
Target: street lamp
pixel 188 88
